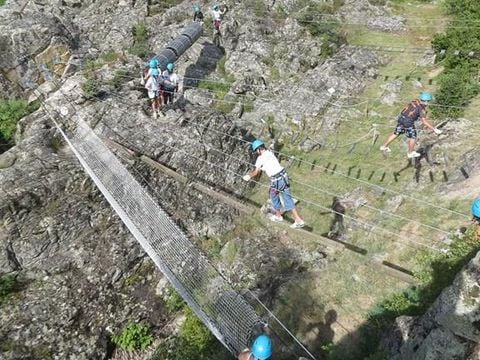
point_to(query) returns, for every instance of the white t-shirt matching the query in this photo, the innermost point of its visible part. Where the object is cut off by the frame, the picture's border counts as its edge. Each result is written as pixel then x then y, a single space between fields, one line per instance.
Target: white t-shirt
pixel 269 163
pixel 217 14
pixel 170 77
pixel 153 83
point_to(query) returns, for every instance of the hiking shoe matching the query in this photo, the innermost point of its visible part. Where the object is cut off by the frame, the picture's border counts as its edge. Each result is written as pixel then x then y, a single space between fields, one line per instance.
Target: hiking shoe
pixel 276 218
pixel 298 225
pixel 413 154
pixel 385 149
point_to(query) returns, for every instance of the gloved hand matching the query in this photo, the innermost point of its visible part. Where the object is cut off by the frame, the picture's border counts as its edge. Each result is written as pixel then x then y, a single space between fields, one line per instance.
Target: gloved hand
pixel 247 177
pixel 437 131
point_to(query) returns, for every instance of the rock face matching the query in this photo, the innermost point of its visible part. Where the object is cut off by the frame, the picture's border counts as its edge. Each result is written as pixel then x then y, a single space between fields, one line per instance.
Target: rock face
pixel 80 274
pixel 451 327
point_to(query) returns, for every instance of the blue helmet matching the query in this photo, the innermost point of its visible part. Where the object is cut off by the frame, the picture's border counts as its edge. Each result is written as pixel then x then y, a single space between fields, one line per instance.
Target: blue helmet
pixel 215 7
pixel 256 144
pixel 153 63
pixel 196 8
pixel 476 208
pixel 426 96
pixel 155 72
pixel 262 347
pixel 170 66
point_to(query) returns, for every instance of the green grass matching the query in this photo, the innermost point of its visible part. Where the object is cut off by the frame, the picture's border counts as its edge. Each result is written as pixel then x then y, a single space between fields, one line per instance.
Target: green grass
pixel 140 37
pixel 10 112
pixel 134 336
pixel 220 87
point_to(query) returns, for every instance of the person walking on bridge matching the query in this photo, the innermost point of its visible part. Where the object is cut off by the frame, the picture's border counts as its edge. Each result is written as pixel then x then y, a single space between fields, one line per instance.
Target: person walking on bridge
pixel 279 184
pixel 262 349
pixel 406 124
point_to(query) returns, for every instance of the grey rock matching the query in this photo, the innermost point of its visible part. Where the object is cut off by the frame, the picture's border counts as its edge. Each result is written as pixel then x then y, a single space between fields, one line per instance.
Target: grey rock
pixel 7 159
pixel 448 330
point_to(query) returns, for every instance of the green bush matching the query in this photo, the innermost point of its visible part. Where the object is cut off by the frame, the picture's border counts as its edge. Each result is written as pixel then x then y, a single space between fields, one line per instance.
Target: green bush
pixel 135 336
pixel 326 29
pixel 174 302
pixel 140 40
pixel 459 81
pixel 119 78
pixel 10 112
pixel 91 87
pixel 195 342
pixel 440 271
pixel 7 286
pixel 2 2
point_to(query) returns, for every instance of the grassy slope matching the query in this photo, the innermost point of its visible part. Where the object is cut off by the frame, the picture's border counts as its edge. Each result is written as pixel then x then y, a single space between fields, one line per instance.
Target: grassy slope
pixel 349 285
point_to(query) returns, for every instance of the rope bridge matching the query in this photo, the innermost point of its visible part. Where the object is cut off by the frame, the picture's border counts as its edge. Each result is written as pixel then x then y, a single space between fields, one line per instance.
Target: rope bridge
pixel 225 312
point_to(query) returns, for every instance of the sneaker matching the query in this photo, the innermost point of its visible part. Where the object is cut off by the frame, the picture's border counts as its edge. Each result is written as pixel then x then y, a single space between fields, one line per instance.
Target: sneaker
pixel 298 225
pixel 413 154
pixel 385 148
pixel 276 218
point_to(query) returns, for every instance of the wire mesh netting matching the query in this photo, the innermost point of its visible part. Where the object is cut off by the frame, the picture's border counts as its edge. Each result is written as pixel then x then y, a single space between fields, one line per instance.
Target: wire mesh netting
pixel 225 312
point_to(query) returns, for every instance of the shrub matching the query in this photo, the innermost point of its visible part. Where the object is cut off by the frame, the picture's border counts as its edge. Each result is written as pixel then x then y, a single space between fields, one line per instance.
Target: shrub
pixel 135 336
pixel 10 112
pixel 119 78
pixel 7 286
pixel 195 342
pixel 140 40
pixel 91 87
pixel 2 2
pixel 459 81
pixel 174 302
pixel 326 29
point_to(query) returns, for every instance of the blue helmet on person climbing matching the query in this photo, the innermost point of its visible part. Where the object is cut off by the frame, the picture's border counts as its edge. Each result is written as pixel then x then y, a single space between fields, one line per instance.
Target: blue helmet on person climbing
pixel 153 63
pixel 196 8
pixel 170 66
pixel 215 7
pixel 155 72
pixel 476 208
pixel 262 347
pixel 426 96
pixel 256 144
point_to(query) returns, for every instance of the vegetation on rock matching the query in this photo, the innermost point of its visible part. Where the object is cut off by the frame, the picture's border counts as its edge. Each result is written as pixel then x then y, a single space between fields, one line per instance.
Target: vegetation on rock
pixel 135 336
pixel 10 112
pixel 459 81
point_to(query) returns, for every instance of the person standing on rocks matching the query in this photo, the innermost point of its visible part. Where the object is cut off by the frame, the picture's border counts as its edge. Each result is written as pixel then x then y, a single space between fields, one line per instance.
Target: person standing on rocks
pixel 170 84
pixel 262 349
pixel 279 184
pixel 197 14
pixel 153 85
pixel 217 14
pixel 476 216
pixel 406 124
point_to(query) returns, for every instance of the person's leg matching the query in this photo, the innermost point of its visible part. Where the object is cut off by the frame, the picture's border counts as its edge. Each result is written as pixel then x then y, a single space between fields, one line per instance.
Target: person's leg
pixel 290 205
pixel 411 145
pixel 390 140
pixel 276 203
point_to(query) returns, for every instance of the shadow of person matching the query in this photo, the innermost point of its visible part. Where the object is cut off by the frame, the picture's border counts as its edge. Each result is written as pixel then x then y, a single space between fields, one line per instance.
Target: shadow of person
pixel 325 333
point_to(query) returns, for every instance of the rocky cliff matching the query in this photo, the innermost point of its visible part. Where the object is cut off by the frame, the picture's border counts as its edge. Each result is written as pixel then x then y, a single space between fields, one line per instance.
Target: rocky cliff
pixel 450 329
pixel 79 274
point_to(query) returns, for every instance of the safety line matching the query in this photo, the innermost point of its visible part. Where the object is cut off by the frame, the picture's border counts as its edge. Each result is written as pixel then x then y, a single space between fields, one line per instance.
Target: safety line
pixel 373 227
pixel 333 172
pixel 325 191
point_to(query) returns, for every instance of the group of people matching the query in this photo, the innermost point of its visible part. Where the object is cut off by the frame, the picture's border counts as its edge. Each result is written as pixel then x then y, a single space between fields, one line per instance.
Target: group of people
pixel 217 13
pixel 161 85
pixel 279 190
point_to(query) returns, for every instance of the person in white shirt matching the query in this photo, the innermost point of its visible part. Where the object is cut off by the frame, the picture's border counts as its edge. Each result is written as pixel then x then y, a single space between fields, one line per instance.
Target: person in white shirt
pixel 279 184
pixel 217 14
pixel 170 84
pixel 153 85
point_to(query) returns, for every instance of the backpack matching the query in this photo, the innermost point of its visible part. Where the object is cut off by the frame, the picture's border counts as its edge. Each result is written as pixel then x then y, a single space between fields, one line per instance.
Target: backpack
pixel 413 110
